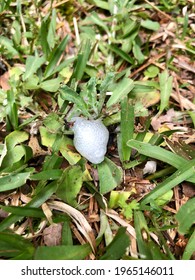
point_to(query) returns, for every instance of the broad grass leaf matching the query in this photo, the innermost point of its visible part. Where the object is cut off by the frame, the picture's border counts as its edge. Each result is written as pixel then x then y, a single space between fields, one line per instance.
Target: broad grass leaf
pixel 120 91
pixel 52 174
pixel 36 201
pixel 33 63
pixel 64 252
pixel 182 174
pixel 82 60
pixel 126 128
pixel 190 247
pixel 52 36
pixel 70 185
pixel 165 90
pixel 161 154
pixel 21 211
pixel 13 181
pixel 117 248
pixel 51 85
pixel 110 175
pixel 151 25
pixel 13 245
pixel 186 216
pixel 43 33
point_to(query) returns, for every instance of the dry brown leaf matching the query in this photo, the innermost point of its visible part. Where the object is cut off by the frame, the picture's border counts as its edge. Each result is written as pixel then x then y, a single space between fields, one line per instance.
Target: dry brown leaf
pixel 115 216
pixel 36 148
pixel 78 218
pixel 52 235
pixel 157 122
pixel 4 81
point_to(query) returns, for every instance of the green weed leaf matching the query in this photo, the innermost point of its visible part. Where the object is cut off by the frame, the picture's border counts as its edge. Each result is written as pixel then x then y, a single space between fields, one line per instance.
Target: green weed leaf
pixel 117 248
pixel 33 63
pixel 186 216
pixel 70 185
pixel 110 175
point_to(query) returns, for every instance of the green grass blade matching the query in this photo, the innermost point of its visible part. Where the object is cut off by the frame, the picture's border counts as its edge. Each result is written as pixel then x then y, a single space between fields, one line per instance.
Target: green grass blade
pixel 121 53
pixel 186 216
pixel 37 201
pixel 117 248
pixel 64 252
pixel 13 181
pixel 110 175
pixel 182 174
pixel 159 154
pixel 148 249
pixel 141 228
pixel 82 60
pixel 33 63
pixel 24 211
pixel 55 56
pixel 120 91
pixel 165 90
pixel 190 248
pixel 52 174
pixel 126 127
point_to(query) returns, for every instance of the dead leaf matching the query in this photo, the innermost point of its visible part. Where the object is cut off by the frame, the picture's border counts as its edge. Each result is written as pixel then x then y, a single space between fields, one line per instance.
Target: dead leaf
pixel 158 121
pixel 78 218
pixel 4 81
pixel 36 148
pixel 188 189
pixel 52 235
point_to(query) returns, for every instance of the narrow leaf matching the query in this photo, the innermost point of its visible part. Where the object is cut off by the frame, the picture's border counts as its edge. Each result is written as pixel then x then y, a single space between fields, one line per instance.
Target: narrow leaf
pixel 64 252
pixel 127 127
pixel 121 90
pixel 21 211
pixel 165 90
pixel 117 248
pixel 82 60
pixel 121 53
pixel 190 247
pixel 55 56
pixel 160 154
pixel 182 174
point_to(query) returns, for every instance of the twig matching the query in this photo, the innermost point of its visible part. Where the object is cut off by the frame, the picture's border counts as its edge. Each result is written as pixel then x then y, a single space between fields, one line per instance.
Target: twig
pixel 149 62
pixel 158 10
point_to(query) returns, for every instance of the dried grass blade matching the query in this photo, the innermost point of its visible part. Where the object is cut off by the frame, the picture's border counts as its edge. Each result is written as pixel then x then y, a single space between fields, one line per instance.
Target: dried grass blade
pixel 80 221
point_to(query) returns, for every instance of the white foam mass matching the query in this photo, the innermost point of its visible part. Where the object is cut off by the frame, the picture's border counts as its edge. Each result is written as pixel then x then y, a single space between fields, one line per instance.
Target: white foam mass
pixel 90 139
